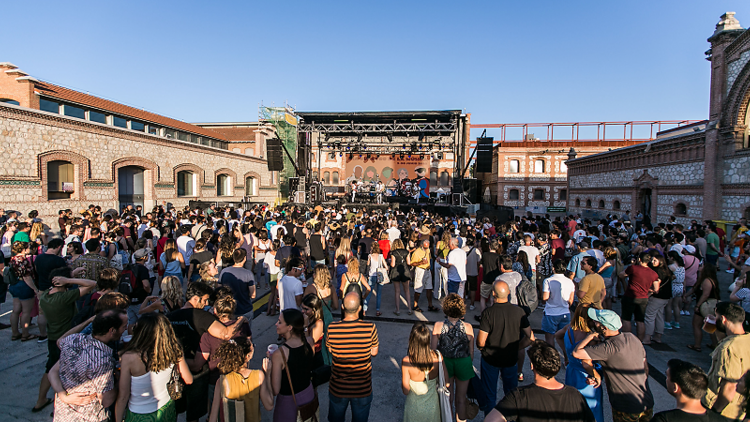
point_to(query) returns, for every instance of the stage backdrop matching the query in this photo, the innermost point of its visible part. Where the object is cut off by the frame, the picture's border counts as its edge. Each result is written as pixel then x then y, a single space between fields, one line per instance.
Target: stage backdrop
pixel 386 168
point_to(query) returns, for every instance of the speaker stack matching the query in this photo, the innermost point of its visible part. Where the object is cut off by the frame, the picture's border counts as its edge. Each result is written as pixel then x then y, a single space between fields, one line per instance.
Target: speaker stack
pixel 274 155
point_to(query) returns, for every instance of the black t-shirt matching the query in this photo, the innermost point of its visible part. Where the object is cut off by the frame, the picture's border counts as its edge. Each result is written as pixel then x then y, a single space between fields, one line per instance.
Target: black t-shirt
pixel 139 293
pixel 284 253
pixel 504 324
pixel 533 403
pixel 678 415
pixel 44 265
pixel 198 258
pixel 490 267
pixel 189 324
pixel 367 241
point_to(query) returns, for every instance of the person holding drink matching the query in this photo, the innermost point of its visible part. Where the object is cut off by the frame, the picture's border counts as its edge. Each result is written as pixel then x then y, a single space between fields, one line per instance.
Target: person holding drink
pixel 707 295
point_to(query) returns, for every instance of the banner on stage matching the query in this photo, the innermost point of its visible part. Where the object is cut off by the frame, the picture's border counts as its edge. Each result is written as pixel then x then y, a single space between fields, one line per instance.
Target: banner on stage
pixel 386 168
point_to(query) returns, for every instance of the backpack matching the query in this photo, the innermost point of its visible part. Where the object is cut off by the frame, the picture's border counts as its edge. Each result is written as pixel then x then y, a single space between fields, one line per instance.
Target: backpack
pixel 353 287
pixel 127 281
pixel 87 310
pixel 9 277
pixel 124 257
pixel 527 295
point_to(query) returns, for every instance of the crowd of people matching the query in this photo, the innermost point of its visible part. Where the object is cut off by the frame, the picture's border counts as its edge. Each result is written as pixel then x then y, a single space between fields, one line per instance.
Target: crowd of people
pixel 147 315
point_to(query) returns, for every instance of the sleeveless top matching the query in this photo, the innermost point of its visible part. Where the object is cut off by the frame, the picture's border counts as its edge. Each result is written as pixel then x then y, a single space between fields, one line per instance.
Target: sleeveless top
pixel 714 291
pixel 400 272
pixel 453 342
pixel 316 248
pixel 246 390
pixel 148 392
pixel 355 285
pixel 299 235
pixel 300 361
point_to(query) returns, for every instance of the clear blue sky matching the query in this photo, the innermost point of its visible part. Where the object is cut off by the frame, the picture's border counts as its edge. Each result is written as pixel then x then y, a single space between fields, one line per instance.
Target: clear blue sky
pixel 502 61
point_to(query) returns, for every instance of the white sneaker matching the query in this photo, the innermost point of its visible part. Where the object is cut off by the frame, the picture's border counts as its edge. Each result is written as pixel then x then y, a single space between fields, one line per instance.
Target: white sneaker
pixel 682 312
pixel 687 313
pixel 730 271
pixel 472 307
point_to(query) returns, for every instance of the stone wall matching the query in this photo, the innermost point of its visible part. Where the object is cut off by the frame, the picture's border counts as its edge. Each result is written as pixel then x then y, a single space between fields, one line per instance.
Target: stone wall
pixel 30 139
pixel 735 206
pixel 668 175
pixel 737 170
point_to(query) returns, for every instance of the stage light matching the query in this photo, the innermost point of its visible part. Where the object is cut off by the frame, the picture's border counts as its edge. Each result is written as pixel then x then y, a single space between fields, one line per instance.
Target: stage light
pixel 390 137
pixel 341 154
pixel 421 137
pixel 402 156
pixel 409 155
pixel 377 155
pixel 421 156
pixel 360 155
pixel 368 156
pixel 351 156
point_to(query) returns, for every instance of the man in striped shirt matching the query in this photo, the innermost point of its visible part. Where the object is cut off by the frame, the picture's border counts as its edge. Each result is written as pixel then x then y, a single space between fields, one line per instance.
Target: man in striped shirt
pixel 352 343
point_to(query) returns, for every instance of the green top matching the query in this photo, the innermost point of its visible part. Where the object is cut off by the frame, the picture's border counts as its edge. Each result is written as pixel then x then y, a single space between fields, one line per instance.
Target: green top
pixel 712 238
pixel 21 237
pixel 60 308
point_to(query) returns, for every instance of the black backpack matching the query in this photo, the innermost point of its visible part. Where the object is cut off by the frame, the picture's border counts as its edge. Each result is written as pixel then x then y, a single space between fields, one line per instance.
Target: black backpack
pixel 9 277
pixel 353 287
pixel 127 281
pixel 527 295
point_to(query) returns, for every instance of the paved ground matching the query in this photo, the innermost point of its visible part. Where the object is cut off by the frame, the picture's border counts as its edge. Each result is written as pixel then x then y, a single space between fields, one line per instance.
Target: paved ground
pixel 23 363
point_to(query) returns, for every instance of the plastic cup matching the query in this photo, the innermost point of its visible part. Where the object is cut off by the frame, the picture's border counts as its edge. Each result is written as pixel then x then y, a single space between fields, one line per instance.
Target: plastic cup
pixel 272 348
pixel 709 324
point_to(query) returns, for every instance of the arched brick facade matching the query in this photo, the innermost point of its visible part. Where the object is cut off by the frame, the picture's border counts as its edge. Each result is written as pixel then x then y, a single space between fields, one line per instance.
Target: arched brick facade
pixel 80 163
pixel 199 173
pixel 151 176
pixel 230 173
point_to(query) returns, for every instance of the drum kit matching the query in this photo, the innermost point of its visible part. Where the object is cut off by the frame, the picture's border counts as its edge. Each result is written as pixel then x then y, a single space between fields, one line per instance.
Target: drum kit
pixel 367 191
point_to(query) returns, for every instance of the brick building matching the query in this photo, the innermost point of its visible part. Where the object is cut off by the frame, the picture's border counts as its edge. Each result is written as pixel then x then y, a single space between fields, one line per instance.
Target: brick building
pixel 701 171
pixel 67 149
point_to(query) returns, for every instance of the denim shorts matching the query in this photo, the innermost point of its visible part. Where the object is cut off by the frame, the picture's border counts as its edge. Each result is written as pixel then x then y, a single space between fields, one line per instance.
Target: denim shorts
pixel 552 324
pixel 453 287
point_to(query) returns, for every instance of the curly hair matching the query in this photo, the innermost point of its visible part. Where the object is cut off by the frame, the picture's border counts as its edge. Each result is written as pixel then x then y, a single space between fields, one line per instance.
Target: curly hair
pixel 544 358
pixel 454 306
pixel 155 342
pixel 232 355
pixel 171 290
pixel 353 265
pixel 322 277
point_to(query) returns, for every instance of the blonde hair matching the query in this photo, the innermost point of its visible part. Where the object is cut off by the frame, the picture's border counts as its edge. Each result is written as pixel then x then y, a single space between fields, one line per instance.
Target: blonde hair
pixel 345 247
pixel 322 277
pixel 353 265
pixel 171 290
pixel 36 230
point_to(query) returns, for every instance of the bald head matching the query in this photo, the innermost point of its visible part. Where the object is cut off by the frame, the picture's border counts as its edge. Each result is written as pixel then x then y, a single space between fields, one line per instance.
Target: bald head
pixel 351 303
pixel 502 291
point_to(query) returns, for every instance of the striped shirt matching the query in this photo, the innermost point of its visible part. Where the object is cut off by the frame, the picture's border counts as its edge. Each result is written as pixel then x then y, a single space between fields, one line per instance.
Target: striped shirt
pixel 351 343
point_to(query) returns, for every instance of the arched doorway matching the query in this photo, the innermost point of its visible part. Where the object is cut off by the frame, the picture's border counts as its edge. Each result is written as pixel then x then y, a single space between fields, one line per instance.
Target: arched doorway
pixel 130 186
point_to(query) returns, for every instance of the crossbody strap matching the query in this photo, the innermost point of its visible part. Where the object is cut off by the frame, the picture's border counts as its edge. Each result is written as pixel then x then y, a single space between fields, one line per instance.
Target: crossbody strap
pixel 288 376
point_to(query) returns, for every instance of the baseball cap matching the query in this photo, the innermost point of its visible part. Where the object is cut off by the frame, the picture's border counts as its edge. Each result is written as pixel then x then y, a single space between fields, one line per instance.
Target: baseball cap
pixel 608 318
pixel 689 249
pixel 140 254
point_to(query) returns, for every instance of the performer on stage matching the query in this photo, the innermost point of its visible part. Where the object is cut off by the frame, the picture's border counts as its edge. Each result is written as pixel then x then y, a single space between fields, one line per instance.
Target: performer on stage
pixel 379 189
pixel 424 184
pixel 354 189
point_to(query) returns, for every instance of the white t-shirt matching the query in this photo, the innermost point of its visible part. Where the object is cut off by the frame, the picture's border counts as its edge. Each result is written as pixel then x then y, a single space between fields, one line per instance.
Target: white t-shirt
pixel 599 255
pixel 275 231
pixel 393 233
pixel 559 288
pixel 270 262
pixel 457 269
pixel 289 288
pixel 579 234
pixel 473 259
pixel 531 253
pixel 185 245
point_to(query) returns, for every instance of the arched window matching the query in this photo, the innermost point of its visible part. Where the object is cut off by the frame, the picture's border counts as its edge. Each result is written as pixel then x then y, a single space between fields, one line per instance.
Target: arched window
pixel 335 178
pixel 433 178
pixel 9 101
pixel 513 194
pixel 250 186
pixel 327 177
pixel 315 176
pixel 514 166
pixel 538 194
pixel 539 166
pixel 601 203
pixel 186 183
pixel 60 180
pixel 249 151
pixel 588 203
pixel 616 205
pixel 223 186
pixel 578 202
pixel 445 178
pixel 563 194
pixel 680 209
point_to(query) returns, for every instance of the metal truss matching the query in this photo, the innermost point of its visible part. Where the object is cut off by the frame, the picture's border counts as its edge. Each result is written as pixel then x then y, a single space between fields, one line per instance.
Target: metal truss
pixel 382 128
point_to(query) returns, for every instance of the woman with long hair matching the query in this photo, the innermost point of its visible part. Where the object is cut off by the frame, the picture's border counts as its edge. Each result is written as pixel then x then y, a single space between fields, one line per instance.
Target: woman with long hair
pixel 208 273
pixel 240 383
pixel 654 319
pixel 322 289
pixel 454 339
pixel 24 291
pixel 314 327
pixel 261 247
pixel 576 372
pixel 400 274
pixel 146 368
pixel 171 261
pixel 273 270
pixel 419 377
pixel 522 265
pixel 707 295
pixel 677 266
pixel 345 248
pixel 171 298
pixel 296 354
pixel 37 234
pixel 375 261
pixel 354 281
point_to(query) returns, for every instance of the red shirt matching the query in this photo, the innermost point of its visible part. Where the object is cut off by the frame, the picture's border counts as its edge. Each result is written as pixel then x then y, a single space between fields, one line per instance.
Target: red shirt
pixel 385 247
pixel 641 279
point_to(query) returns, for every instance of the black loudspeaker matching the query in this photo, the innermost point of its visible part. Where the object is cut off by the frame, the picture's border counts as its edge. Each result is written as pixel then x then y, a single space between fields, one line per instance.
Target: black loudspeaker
pixel 273 155
pixel 458 190
pixel 484 155
pixel 472 187
pixel 302 153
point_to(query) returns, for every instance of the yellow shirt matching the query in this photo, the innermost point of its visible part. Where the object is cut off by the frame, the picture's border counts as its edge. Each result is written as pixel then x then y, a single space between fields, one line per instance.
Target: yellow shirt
pixel 729 361
pixel 420 254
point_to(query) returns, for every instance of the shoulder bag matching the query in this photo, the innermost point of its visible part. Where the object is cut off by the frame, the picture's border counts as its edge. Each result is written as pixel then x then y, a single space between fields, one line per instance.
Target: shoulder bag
pixel 444 394
pixel 174 385
pixel 382 272
pixel 307 412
